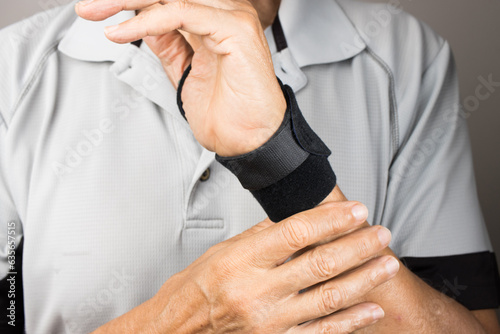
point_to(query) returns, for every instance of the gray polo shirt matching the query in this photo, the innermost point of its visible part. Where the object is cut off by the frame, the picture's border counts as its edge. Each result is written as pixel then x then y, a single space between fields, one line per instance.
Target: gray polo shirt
pixel 111 194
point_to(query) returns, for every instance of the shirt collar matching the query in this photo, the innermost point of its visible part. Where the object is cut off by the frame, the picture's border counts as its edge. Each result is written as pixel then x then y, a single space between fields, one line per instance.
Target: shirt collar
pixel 85 40
pixel 317 32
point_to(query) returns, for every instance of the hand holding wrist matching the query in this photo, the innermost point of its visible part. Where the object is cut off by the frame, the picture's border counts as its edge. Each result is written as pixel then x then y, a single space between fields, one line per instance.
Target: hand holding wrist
pixel 236 286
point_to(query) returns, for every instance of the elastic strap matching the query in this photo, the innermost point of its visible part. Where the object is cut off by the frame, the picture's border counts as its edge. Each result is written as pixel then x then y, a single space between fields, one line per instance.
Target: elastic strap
pixel 279 35
pixel 179 91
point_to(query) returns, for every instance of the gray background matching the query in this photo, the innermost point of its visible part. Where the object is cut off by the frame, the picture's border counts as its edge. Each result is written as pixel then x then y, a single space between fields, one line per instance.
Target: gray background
pixel 472 28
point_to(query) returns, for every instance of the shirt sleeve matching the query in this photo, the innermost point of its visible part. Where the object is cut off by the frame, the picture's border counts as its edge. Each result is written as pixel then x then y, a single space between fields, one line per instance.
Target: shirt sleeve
pixel 432 206
pixel 11 288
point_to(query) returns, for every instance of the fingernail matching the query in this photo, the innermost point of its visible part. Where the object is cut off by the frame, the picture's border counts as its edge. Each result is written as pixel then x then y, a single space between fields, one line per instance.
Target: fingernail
pixel 384 235
pixel 85 2
pixel 360 212
pixel 377 313
pixel 392 266
pixel 111 29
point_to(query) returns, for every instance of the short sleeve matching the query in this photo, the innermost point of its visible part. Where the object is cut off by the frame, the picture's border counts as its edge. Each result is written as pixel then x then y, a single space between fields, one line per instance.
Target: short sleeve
pixel 432 206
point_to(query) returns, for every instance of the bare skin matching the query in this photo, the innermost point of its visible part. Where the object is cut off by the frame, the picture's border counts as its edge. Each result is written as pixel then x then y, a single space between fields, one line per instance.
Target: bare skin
pixel 234 104
pixel 242 285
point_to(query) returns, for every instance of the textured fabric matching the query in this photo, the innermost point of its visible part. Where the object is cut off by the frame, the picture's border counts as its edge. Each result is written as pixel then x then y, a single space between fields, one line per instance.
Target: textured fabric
pixel 305 136
pixel 271 162
pixel 309 189
pixel 100 172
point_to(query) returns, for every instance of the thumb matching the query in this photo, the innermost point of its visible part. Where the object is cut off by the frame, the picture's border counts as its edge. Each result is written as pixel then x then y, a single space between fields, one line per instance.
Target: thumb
pixel 174 52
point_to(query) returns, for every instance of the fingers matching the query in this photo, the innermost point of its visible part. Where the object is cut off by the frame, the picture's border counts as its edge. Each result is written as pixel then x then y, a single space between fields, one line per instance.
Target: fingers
pixel 341 292
pixel 174 52
pixel 164 19
pixel 214 23
pixel 98 10
pixel 327 261
pixel 275 244
pixel 347 321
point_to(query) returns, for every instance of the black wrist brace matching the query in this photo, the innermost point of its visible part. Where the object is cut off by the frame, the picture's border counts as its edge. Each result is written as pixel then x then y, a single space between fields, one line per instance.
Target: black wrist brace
pixel 290 173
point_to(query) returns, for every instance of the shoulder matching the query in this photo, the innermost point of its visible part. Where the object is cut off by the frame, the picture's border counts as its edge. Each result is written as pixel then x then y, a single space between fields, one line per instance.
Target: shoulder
pixel 26 46
pixel 409 51
pixel 392 34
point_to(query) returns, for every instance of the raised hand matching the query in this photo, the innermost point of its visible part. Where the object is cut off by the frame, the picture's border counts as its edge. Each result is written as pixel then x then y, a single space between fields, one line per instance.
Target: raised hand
pixel 232 99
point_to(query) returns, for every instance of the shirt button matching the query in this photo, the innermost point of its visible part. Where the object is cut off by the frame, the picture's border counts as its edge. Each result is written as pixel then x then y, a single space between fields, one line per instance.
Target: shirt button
pixel 205 176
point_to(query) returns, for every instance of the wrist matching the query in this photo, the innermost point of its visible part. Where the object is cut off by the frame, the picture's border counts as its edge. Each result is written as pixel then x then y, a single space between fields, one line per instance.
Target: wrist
pixel 238 126
pixel 293 161
pixel 257 137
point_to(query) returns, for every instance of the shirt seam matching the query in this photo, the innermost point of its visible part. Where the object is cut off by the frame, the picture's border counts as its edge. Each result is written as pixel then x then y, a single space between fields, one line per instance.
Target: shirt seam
pixel 393 120
pixel 33 77
pixel 188 226
pixel 393 114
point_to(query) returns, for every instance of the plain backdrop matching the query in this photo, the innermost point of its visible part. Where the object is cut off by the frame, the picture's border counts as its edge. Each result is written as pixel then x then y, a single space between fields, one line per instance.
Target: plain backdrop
pixel 472 28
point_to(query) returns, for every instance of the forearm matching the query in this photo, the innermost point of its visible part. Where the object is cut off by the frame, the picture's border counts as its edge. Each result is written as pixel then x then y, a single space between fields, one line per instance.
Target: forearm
pixel 174 309
pixel 411 305
pixel 141 319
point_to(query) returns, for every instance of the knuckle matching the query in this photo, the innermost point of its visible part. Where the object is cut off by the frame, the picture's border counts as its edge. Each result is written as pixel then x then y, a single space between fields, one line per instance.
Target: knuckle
pixel 180 6
pixel 248 7
pixel 374 276
pixel 364 248
pixel 331 299
pixel 336 216
pixel 296 232
pixel 322 265
pixel 354 322
pixel 331 327
pixel 346 326
pixel 142 22
pixel 247 20
pixel 336 224
pixel 142 18
pixel 373 279
pixel 251 9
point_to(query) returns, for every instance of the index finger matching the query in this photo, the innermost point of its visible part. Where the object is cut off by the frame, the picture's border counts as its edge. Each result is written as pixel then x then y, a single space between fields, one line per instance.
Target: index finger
pixel 277 243
pixel 98 10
